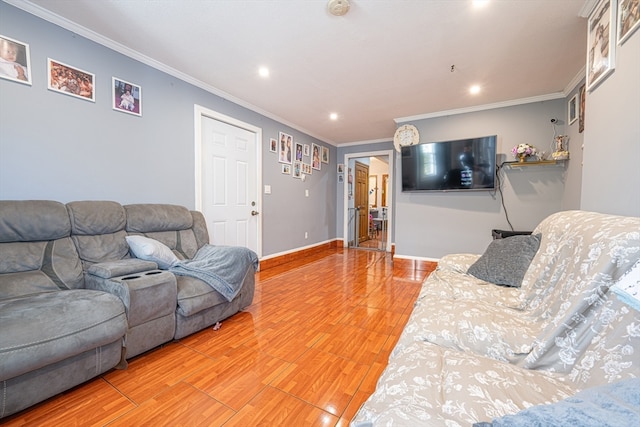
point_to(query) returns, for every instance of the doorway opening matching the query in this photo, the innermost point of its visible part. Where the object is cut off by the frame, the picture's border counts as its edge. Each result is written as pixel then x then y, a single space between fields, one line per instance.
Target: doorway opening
pixel 368 196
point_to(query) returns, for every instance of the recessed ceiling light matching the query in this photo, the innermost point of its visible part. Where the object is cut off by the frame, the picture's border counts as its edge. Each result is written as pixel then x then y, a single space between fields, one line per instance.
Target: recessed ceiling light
pixel 263 71
pixel 333 116
pixel 480 3
pixel 474 90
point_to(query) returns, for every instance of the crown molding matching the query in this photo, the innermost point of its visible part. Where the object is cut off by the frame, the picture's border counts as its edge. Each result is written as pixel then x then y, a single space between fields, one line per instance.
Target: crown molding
pixel 587 8
pixel 511 103
pixel 575 81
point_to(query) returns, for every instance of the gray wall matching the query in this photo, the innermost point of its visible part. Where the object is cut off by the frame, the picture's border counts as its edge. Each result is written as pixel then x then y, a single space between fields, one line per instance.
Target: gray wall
pixel 432 224
pixel 611 173
pixel 57 147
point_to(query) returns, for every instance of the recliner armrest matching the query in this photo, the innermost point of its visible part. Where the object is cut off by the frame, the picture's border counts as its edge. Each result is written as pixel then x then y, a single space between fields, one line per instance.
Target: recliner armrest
pixel 109 269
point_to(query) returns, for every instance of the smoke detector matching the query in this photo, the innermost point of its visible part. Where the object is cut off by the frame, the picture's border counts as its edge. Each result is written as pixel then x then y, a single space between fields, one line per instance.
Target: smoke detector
pixel 338 7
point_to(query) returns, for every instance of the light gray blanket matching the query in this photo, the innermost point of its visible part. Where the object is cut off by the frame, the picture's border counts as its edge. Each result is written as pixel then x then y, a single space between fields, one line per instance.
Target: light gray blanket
pixel 611 405
pixel 221 267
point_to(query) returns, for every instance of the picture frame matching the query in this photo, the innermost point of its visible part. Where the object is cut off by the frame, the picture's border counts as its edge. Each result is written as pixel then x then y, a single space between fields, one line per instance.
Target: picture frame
pixel 315 156
pixel 572 108
pixel 285 148
pixel 628 19
pixel 15 61
pixel 286 169
pixel 126 97
pixel 325 154
pixel 306 168
pixel 72 81
pixel 340 179
pixel 340 168
pixel 273 145
pixel 305 150
pixel 298 156
pixel 583 101
pixel 297 169
pixel 601 30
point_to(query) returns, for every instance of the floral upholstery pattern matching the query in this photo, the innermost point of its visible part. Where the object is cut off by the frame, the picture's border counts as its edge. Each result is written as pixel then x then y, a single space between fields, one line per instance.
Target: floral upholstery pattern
pixel 473 351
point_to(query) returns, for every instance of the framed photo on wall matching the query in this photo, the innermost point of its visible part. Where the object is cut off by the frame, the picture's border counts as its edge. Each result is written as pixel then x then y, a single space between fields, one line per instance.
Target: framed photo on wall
pixel 273 145
pixel 127 97
pixel 628 18
pixel 600 43
pixel 69 80
pixel 325 154
pixel 305 150
pixel 583 103
pixel 15 60
pixel 285 147
pixel 298 151
pixel 573 109
pixel 315 156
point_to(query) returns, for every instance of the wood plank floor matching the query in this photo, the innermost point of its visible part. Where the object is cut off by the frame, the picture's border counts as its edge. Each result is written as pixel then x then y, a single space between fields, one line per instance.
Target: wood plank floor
pixel 307 352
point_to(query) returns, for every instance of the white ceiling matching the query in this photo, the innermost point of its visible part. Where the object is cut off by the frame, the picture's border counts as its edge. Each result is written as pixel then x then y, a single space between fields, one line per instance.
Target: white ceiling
pixel 384 60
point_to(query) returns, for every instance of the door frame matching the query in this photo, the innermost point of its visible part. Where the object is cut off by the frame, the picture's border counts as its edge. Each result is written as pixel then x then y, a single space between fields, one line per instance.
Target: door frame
pixel 390 205
pixel 199 113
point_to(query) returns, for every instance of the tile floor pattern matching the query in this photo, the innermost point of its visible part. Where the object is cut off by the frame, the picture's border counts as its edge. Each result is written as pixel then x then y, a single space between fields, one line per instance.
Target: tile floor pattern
pixel 307 352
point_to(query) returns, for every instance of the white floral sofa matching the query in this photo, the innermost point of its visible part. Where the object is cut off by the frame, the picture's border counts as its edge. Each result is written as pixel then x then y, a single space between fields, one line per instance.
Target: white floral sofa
pixel 475 352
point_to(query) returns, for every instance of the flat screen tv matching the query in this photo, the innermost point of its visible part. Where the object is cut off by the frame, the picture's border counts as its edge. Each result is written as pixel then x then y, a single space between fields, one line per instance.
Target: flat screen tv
pixel 460 165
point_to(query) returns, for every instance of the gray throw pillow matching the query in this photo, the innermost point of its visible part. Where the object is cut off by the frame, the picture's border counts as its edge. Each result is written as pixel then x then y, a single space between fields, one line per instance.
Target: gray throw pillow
pixel 506 260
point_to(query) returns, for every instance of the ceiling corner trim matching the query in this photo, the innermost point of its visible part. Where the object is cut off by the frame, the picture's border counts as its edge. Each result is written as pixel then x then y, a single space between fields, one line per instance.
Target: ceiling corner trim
pixel 587 8
pixel 575 81
pixel 117 47
pixel 511 103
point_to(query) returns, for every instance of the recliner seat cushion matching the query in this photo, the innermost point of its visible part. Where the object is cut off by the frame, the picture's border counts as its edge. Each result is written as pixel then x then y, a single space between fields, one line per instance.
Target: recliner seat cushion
pixel 43 329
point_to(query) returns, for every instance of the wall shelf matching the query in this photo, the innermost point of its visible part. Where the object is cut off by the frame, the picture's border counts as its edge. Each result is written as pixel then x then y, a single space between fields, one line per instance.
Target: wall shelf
pixel 517 164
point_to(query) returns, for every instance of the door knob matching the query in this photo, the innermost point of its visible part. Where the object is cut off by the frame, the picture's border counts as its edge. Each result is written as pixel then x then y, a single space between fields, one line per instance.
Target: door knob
pixel 254 213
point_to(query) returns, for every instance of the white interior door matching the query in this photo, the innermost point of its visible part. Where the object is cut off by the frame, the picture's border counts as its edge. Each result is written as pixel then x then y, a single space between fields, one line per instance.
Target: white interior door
pixel 229 183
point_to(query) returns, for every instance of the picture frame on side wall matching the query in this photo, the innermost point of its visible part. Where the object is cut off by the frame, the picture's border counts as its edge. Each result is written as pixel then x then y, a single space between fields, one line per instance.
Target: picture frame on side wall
pixel 15 60
pixel 68 80
pixel 601 33
pixel 583 103
pixel 628 19
pixel 126 97
pixel 273 145
pixel 315 156
pixel 572 107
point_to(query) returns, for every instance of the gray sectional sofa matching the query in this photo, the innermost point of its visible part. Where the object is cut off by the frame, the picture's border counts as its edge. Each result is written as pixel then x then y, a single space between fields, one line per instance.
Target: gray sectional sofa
pixel 75 302
pixel 476 351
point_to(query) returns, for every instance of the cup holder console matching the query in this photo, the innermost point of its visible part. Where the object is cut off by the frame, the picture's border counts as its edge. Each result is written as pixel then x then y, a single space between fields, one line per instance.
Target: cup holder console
pixel 148 273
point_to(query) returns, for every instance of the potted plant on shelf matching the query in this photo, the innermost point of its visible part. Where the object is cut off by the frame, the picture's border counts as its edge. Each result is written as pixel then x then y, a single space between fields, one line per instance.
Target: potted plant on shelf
pixel 522 151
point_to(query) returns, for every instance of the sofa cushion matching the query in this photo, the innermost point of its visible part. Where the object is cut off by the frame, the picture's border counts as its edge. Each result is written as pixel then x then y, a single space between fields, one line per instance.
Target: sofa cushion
pixel 149 217
pixel 14 285
pixel 194 295
pixel 425 384
pixel 97 229
pixel 32 221
pixel 505 261
pixel 152 250
pixel 43 329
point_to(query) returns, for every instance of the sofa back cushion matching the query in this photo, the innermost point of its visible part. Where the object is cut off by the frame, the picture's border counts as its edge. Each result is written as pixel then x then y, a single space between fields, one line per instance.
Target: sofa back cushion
pixel 36 252
pixel 183 231
pixel 98 231
pixel 581 255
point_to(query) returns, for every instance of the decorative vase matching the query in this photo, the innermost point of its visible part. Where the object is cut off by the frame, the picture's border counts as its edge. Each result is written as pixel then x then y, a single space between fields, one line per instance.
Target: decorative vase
pixel 521 157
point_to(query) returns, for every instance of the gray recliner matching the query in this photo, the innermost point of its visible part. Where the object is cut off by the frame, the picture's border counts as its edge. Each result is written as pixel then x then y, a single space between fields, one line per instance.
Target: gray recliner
pixel 184 232
pixel 54 333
